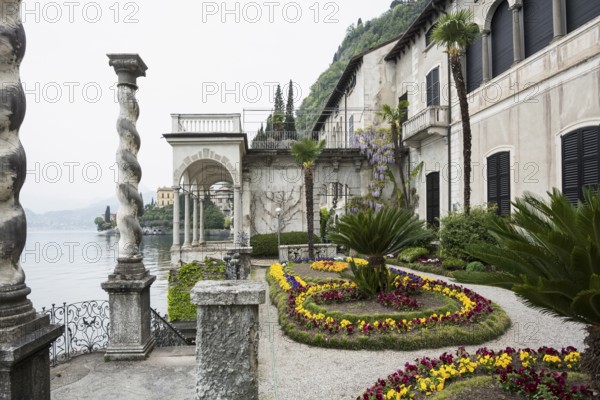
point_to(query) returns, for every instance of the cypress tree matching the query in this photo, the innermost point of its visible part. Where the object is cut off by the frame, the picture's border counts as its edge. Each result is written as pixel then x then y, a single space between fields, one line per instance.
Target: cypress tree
pixel 290 122
pixel 278 114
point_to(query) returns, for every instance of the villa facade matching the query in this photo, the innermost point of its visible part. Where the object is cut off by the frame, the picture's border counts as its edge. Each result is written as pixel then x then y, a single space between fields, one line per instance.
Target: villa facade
pixel 533 127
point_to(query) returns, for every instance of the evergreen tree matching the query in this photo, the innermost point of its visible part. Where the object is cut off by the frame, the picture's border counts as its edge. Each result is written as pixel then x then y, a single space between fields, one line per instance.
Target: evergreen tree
pixel 290 122
pixel 359 23
pixel 260 137
pixel 269 128
pixel 107 214
pixel 278 114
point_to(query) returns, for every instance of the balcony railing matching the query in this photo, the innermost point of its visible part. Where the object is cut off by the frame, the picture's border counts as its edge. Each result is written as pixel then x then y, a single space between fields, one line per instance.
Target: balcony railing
pixel 206 123
pixel 429 122
pixel 285 140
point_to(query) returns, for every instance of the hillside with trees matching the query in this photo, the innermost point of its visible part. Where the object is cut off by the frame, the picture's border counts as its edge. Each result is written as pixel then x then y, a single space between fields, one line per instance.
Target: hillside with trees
pixel 359 37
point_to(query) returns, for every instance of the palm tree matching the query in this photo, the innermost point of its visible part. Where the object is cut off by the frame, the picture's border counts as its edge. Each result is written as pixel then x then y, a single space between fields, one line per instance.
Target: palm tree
pixel 306 152
pixel 455 31
pixel 378 233
pixel 394 117
pixel 549 254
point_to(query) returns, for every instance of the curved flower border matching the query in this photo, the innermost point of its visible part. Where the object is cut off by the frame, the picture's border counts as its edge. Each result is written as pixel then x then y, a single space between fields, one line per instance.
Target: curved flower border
pixel 473 306
pixel 514 370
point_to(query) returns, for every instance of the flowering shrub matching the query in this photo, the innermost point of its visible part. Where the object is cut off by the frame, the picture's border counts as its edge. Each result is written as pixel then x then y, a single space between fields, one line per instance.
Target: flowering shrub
pixel 377 146
pixel 514 370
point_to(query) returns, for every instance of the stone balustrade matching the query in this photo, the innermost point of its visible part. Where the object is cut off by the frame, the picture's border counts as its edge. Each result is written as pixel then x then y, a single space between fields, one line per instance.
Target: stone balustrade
pixel 206 123
pixel 298 251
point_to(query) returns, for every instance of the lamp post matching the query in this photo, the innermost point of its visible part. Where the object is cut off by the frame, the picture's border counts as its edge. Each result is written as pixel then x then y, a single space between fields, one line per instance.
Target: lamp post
pixel 278 213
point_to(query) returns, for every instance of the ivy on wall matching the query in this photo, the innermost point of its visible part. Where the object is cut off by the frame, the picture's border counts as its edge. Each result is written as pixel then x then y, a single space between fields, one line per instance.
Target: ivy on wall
pixel 181 282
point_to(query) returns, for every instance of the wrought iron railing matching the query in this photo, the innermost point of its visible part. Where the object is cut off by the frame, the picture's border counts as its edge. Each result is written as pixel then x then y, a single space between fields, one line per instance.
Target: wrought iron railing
pixel 87 329
pixel 164 333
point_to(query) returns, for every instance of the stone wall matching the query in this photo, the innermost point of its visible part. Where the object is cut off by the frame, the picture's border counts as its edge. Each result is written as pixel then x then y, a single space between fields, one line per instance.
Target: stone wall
pixel 275 180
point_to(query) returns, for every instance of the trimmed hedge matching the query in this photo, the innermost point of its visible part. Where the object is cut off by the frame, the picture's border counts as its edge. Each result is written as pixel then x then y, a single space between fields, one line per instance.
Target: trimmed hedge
pixel 412 253
pixel 265 245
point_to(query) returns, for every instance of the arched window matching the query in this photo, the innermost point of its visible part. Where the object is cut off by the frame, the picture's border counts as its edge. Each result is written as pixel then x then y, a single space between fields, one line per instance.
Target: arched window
pixel 537 22
pixel 474 65
pixel 581 11
pixel 498 181
pixel 580 161
pixel 502 39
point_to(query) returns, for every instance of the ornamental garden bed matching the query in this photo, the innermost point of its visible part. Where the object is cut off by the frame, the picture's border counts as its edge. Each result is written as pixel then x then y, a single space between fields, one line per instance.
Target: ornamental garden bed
pixel 418 313
pixel 545 373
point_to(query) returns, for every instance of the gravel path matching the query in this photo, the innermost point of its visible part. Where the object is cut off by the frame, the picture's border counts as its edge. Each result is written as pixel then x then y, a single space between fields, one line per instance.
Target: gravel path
pixel 292 371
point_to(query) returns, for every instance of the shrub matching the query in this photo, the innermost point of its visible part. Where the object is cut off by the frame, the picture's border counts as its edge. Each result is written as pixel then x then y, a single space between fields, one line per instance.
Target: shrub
pixel 265 245
pixel 475 266
pixel 412 253
pixel 458 231
pixel 453 263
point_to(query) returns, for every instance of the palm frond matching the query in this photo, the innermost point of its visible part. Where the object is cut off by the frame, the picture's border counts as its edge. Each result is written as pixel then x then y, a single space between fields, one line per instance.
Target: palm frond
pixel 549 254
pixel 455 30
pixel 307 150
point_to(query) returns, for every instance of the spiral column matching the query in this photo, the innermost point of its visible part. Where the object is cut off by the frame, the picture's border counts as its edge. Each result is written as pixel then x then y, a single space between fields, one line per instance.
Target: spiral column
pixel 25 336
pixel 128 286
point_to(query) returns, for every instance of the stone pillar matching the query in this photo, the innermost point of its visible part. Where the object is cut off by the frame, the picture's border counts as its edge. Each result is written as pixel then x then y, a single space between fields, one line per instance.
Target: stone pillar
pixel 485 55
pixel 557 19
pixel 128 287
pixel 237 212
pixel 176 215
pixel 227 338
pixel 246 221
pixel 195 222
pixel 25 335
pixel 186 221
pixel 517 53
pixel 201 221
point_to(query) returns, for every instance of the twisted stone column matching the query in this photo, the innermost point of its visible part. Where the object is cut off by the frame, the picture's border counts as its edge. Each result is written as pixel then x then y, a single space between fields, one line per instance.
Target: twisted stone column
pixel 24 335
pixel 129 286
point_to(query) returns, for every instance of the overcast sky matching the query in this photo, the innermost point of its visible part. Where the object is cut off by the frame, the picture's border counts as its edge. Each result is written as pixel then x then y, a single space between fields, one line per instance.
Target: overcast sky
pixel 194 51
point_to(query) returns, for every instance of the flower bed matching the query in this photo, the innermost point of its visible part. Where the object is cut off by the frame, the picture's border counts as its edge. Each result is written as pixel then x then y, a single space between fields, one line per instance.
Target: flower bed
pixel 530 373
pixel 308 324
pixel 333 265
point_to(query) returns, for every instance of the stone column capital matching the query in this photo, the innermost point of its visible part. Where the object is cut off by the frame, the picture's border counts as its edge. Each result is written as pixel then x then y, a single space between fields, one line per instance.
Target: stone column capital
pixel 128 67
pixel 485 32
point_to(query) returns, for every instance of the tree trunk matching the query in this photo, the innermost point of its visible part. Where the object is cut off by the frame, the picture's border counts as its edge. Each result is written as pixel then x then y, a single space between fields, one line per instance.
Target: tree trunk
pixel 590 359
pixel 377 263
pixel 308 186
pixel 461 90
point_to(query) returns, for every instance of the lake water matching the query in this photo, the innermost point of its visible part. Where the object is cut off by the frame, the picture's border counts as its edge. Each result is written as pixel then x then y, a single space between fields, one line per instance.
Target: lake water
pixel 67 266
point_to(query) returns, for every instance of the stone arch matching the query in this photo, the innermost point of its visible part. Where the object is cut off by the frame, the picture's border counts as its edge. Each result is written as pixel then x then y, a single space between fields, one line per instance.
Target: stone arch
pixel 491 9
pixel 208 157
